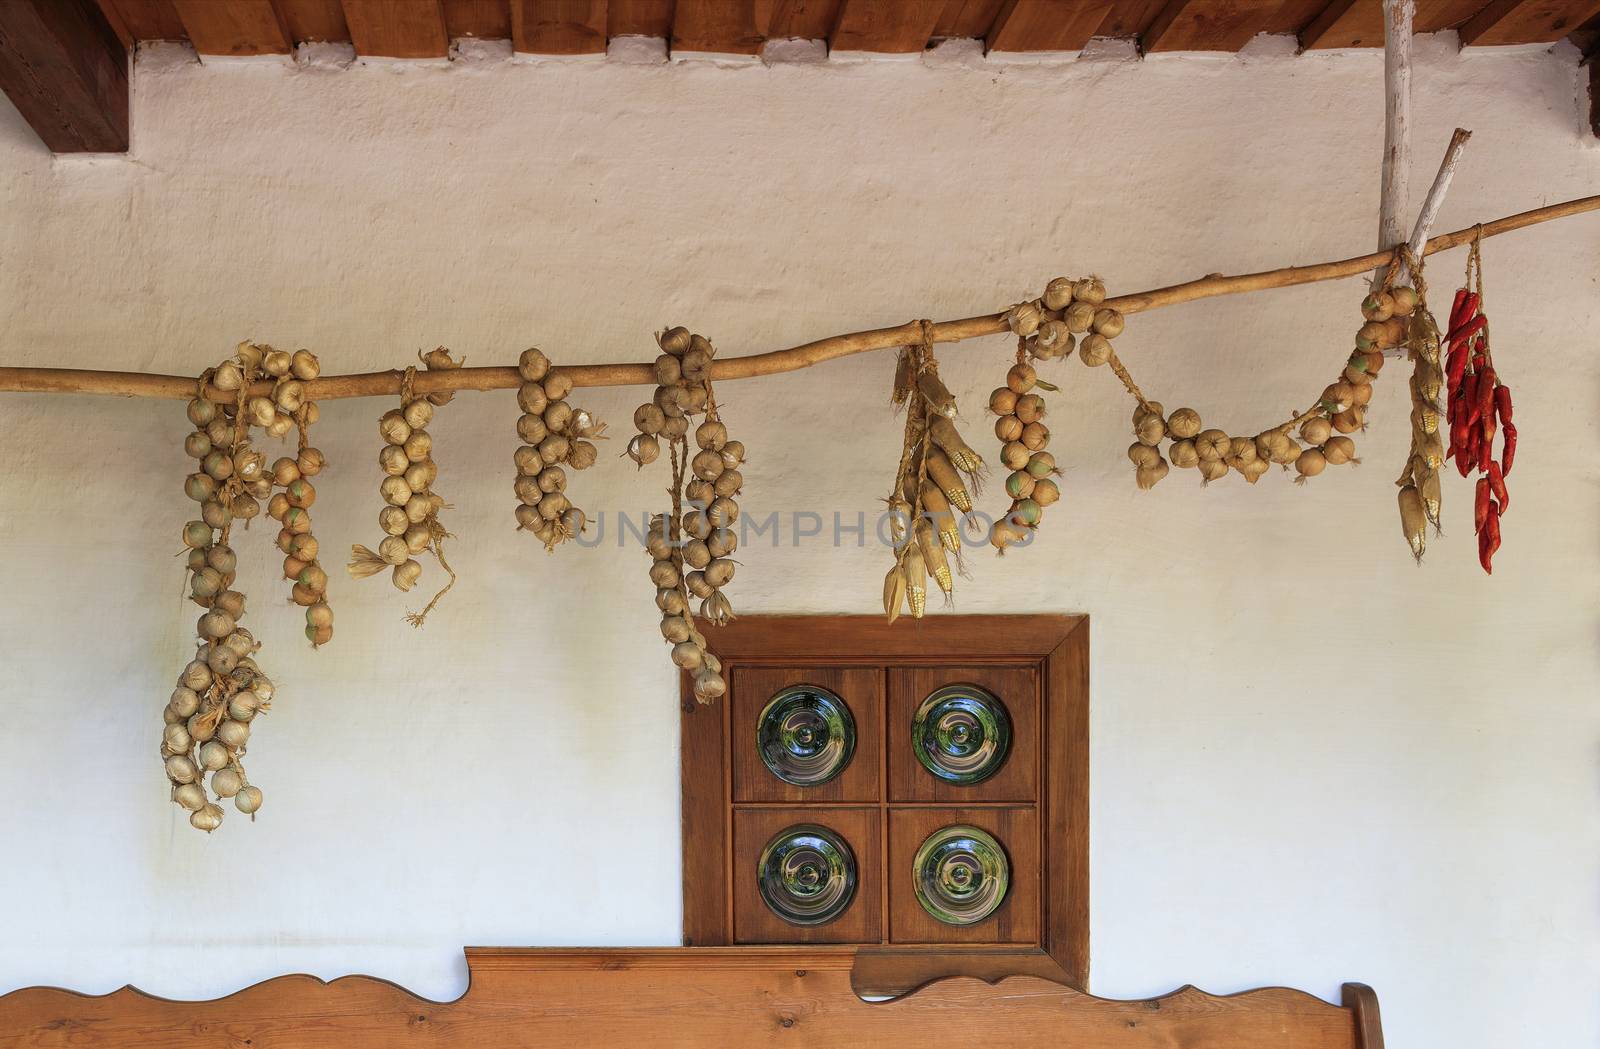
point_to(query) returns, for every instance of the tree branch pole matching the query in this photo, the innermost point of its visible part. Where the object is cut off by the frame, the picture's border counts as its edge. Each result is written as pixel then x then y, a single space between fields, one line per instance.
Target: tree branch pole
pixel 1393 201
pixel 1434 200
pixel 387 383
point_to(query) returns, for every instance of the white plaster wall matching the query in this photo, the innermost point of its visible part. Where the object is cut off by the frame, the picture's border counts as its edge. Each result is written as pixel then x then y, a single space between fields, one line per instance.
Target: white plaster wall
pixel 1313 761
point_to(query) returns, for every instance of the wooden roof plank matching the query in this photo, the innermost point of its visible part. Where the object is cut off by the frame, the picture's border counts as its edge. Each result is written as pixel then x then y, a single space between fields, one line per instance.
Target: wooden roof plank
pixel 889 28
pixel 320 21
pixel 1130 18
pixel 967 19
pixel 1046 25
pixel 639 18
pixel 723 26
pixel 480 19
pixel 1360 24
pixel 149 19
pixel 803 19
pixel 65 70
pixel 237 27
pixel 1209 25
pixel 559 27
pixel 1526 21
pixel 397 28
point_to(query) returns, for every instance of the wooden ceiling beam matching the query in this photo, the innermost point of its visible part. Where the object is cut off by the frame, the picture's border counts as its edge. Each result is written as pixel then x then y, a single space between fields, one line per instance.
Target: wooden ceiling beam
pixel 889 28
pixel 397 28
pixel 237 27
pixel 1046 25
pixel 63 67
pixel 1526 21
pixel 559 27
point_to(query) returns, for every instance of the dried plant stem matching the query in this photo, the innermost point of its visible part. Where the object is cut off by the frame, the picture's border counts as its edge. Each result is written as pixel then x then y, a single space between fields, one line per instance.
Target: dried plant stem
pixel 387 383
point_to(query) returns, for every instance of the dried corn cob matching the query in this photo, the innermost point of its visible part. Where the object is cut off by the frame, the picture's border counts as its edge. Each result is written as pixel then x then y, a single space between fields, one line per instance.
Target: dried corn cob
pixel 933 557
pixel 916 573
pixel 948 438
pixel 943 473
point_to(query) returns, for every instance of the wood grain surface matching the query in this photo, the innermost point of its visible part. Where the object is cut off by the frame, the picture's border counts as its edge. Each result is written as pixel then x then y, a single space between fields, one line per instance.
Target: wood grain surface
pixel 671 998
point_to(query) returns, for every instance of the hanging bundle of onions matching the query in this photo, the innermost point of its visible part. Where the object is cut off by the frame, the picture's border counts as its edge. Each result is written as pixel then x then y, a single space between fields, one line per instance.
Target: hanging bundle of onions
pixel 553 434
pixel 410 516
pixel 221 690
pixel 691 549
pixel 1023 437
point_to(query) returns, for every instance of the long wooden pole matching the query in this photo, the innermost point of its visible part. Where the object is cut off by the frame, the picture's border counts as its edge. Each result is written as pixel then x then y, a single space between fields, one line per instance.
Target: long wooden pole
pixel 1393 200
pixel 387 383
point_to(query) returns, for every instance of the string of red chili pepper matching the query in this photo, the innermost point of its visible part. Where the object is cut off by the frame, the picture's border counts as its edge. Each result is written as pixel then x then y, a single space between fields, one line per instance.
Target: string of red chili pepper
pixel 1478 404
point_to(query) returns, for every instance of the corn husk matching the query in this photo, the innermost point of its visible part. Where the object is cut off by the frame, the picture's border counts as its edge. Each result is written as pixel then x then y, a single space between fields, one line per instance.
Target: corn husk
pixel 946 436
pixel 916 572
pixel 933 556
pixel 894 592
pixel 943 474
pixel 937 508
pixel 1413 520
pixel 940 400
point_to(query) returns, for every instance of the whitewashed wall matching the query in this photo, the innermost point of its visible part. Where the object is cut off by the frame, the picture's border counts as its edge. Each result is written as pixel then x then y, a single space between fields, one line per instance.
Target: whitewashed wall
pixel 1313 761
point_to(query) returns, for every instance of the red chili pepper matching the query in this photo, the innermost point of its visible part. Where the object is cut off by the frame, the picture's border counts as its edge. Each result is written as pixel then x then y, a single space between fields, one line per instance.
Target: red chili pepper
pixel 1466 331
pixel 1480 505
pixel 1467 458
pixel 1486 426
pixel 1502 402
pixel 1509 452
pixel 1455 367
pixel 1497 485
pixel 1489 540
pixel 1485 457
pixel 1485 391
pixel 1465 305
pixel 1469 396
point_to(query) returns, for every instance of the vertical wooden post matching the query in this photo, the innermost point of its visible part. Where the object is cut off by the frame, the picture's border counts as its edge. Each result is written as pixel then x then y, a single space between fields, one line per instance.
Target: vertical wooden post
pixel 1398 16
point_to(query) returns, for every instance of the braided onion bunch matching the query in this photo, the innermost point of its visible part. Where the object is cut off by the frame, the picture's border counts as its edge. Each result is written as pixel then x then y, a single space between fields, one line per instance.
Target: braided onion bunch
pixel 691 549
pixel 221 690
pixel 553 434
pixel 1023 437
pixel 410 516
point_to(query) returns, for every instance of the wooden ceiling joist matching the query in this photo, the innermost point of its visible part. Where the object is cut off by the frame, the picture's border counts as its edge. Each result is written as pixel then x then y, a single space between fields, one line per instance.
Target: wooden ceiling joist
pixel 64 68
pixel 559 27
pixel 397 28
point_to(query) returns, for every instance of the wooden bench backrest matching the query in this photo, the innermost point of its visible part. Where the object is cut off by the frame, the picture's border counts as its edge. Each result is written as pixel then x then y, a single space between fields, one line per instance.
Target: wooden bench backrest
pixel 683 998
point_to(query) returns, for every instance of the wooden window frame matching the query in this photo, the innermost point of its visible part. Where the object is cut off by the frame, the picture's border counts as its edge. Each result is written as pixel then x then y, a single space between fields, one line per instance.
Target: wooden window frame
pixel 1057 644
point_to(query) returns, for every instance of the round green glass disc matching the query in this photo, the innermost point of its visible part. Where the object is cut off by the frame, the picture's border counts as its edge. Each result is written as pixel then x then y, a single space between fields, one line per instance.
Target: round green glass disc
pixel 961 734
pixel 961 875
pixel 805 735
pixel 807 875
